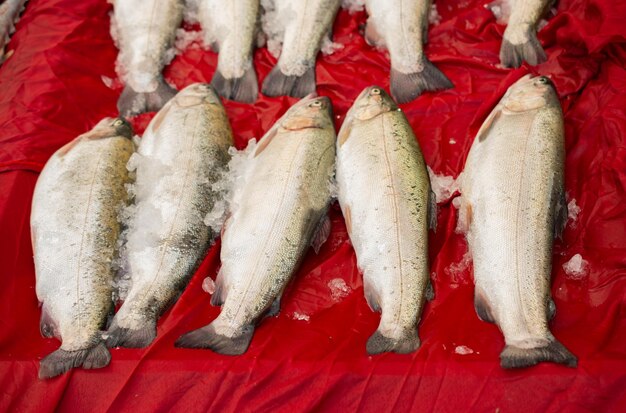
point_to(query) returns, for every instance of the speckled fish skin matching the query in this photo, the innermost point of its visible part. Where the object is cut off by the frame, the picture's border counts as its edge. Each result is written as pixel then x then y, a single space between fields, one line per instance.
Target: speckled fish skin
pixel 74 227
pixel 512 206
pixel 180 157
pixel 305 22
pixel 519 42
pixel 145 31
pixel 232 27
pixel 401 26
pixel 385 197
pixel 273 220
pixel 9 15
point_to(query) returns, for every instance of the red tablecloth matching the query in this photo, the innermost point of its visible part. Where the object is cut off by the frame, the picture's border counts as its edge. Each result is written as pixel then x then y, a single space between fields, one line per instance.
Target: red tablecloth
pixel 52 89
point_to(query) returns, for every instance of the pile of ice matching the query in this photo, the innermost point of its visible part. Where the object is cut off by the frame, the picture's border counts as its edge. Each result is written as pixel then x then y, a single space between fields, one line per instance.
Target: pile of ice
pixel 232 179
pixel 442 185
pixel 273 25
pixel 577 267
pixel 433 16
pixel 338 289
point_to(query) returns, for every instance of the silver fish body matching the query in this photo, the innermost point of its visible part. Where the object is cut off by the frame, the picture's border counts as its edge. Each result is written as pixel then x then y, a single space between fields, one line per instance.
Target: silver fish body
pixel 145 31
pixel 74 228
pixel 180 157
pixel 232 28
pixel 401 26
pixel 9 15
pixel 385 196
pixel 275 214
pixel 303 26
pixel 512 206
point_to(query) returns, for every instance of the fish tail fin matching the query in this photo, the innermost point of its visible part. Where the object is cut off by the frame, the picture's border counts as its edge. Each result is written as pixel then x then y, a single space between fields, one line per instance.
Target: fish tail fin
pixel 378 343
pixel 278 84
pixel 207 337
pixel 118 336
pixel 133 103
pixel 61 361
pixel 407 86
pixel 531 51
pixel 515 357
pixel 242 89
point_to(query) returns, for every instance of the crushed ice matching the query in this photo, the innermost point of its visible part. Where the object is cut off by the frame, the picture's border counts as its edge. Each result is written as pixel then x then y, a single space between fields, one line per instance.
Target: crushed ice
pixel 463 350
pixel 456 269
pixel 300 316
pixel 572 212
pixel 443 186
pixel 353 6
pixel 577 267
pixel 338 289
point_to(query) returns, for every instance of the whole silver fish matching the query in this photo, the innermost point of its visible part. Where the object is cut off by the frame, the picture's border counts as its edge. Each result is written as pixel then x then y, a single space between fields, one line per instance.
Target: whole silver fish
pixel 10 11
pixel 512 206
pixel 385 197
pixel 401 26
pixel 180 157
pixel 519 42
pixel 303 25
pixel 145 31
pixel 231 27
pixel 275 215
pixel 74 229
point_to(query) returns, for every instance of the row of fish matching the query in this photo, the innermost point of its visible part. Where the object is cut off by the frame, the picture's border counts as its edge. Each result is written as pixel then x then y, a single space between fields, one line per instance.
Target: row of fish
pixel 145 31
pixel 513 177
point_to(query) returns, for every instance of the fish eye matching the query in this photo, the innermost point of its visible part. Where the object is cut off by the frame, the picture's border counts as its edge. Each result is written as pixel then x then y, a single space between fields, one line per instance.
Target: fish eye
pixel 543 80
pixel 315 104
pixel 376 91
pixel 118 122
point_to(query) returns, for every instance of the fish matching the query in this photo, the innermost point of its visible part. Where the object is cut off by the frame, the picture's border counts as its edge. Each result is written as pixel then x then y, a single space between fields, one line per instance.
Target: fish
pixel 74 231
pixel 401 27
pixel 512 205
pixel 231 28
pixel 301 28
pixel 182 153
pixel 385 196
pixel 519 42
pixel 10 11
pixel 144 31
pixel 276 214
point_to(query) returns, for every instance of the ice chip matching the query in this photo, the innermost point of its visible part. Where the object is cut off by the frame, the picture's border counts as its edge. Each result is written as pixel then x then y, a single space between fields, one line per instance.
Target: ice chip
pixel 443 186
pixel 463 350
pixel 433 16
pixel 576 268
pixel 338 289
pixel 300 317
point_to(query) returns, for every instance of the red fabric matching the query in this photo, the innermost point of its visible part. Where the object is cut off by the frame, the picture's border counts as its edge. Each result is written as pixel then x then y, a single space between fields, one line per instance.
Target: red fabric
pixel 51 90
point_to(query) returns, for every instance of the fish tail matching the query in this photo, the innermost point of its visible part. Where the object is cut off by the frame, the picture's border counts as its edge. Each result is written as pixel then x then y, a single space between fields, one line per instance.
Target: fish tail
pixel 133 103
pixel 407 86
pixel 512 55
pixel 60 361
pixel 207 337
pixel 279 84
pixel 378 343
pixel 118 336
pixel 242 89
pixel 515 357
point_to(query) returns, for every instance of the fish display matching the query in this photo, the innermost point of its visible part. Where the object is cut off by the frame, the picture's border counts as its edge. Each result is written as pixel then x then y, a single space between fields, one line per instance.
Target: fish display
pixel 74 231
pixel 276 214
pixel 145 31
pixel 181 155
pixel 231 29
pixel 301 26
pixel 512 206
pixel 10 11
pixel 519 42
pixel 387 203
pixel 401 26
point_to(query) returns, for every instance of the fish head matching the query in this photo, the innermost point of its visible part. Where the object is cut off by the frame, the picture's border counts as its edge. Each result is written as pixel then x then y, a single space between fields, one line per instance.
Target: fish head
pixel 372 102
pixel 106 128
pixel 529 93
pixel 310 112
pixel 197 94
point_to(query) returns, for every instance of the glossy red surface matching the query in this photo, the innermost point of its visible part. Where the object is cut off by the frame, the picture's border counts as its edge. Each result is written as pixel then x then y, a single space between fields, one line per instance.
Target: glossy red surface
pixel 51 90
